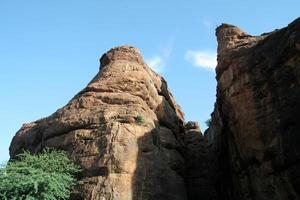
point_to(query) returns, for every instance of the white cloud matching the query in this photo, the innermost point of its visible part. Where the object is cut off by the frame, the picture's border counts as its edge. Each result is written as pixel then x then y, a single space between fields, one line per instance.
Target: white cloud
pixel 156 63
pixel 203 59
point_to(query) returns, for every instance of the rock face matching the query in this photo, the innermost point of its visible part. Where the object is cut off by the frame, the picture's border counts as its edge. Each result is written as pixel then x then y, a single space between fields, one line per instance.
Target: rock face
pixel 255 126
pixel 200 174
pixel 124 129
pixel 129 135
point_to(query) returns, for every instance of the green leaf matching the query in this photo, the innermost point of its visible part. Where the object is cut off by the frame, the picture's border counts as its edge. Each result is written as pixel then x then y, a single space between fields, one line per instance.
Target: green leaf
pixel 48 176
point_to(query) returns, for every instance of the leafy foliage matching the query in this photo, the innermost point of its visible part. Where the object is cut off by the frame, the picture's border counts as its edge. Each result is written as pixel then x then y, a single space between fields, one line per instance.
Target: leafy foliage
pixel 45 176
pixel 208 122
pixel 139 120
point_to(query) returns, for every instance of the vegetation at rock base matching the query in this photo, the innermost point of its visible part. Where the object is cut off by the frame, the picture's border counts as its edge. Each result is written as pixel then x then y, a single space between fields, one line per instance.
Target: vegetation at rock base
pixel 48 175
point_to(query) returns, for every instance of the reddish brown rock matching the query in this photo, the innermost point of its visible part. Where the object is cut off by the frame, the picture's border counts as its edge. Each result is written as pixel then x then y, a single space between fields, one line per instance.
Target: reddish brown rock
pixel 124 129
pixel 255 127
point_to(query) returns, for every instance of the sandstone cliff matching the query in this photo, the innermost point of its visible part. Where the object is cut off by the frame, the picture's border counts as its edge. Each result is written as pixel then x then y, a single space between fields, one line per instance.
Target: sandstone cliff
pixel 255 126
pixel 129 135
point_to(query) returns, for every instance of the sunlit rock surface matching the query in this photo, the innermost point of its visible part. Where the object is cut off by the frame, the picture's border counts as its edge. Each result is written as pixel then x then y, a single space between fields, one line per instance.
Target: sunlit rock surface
pixel 124 129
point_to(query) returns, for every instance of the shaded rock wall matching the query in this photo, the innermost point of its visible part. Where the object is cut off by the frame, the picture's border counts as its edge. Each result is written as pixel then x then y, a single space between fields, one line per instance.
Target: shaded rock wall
pixel 200 174
pixel 255 127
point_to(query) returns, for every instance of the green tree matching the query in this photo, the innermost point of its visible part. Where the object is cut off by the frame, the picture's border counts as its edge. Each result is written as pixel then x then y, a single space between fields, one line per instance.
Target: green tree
pixel 45 176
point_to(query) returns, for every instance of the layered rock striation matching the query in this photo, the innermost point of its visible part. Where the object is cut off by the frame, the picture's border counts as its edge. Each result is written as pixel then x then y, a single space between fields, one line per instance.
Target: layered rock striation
pixel 124 129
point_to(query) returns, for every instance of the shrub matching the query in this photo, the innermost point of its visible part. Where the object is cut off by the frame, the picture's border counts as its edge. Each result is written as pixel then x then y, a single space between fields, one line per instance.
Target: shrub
pixel 45 176
pixel 208 122
pixel 139 119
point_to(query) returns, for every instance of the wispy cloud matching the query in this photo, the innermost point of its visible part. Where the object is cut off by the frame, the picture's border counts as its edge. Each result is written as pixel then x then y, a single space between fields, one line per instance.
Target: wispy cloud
pixel 167 50
pixel 203 59
pixel 207 23
pixel 158 62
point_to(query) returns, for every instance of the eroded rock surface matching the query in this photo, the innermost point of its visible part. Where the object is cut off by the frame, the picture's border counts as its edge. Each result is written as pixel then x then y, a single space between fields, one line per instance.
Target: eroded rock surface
pixel 124 129
pixel 255 127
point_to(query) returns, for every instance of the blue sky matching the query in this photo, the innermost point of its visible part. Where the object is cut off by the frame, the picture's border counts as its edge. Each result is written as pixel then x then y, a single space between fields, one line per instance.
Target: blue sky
pixel 50 50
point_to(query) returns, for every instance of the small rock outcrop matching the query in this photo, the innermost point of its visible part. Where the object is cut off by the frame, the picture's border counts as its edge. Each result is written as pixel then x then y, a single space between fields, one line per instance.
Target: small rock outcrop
pixel 124 129
pixel 255 126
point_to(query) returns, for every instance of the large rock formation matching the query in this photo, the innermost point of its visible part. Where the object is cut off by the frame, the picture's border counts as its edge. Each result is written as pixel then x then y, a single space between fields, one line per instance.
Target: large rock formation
pixel 124 129
pixel 255 127
pixel 129 136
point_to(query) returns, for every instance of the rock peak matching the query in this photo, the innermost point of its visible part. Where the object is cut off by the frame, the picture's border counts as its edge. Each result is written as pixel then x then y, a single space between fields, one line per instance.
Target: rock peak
pixel 125 48
pixel 227 30
pixel 228 36
pixel 125 52
pixel 231 39
pixel 120 127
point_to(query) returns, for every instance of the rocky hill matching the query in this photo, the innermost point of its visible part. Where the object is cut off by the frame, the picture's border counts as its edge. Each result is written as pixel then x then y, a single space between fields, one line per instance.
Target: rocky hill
pixel 124 129
pixel 129 135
